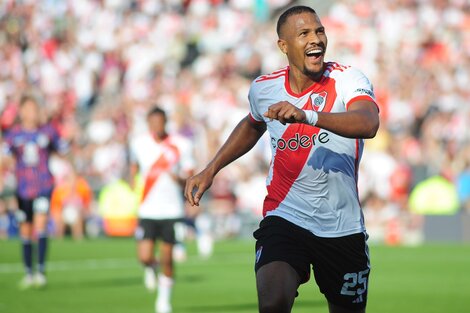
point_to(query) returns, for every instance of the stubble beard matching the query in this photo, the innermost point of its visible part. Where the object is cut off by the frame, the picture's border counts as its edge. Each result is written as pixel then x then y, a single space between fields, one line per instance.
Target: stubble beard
pixel 315 75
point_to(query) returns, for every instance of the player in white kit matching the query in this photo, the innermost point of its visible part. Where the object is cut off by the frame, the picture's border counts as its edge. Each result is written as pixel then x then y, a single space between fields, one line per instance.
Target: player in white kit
pixel 164 162
pixel 317 114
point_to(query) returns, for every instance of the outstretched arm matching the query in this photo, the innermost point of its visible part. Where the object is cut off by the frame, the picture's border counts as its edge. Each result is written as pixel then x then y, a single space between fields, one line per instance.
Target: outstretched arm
pixel 360 121
pixel 245 135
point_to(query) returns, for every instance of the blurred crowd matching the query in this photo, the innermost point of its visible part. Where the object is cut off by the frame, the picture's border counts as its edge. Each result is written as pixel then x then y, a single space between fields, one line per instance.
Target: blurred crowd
pixel 98 65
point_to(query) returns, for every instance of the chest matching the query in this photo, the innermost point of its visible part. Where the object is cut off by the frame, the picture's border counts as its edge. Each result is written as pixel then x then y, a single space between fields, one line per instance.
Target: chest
pixel 321 98
pixel 151 152
pixel 23 142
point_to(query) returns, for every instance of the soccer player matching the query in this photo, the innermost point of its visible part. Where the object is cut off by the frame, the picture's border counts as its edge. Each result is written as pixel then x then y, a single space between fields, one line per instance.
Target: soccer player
pixel 317 114
pixel 29 145
pixel 164 161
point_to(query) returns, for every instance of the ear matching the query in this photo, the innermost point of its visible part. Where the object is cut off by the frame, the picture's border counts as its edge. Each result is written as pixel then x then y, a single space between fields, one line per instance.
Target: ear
pixel 282 45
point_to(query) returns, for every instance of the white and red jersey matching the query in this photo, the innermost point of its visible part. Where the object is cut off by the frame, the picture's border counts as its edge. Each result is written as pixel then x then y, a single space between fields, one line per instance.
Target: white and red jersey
pixel 158 162
pixel 312 180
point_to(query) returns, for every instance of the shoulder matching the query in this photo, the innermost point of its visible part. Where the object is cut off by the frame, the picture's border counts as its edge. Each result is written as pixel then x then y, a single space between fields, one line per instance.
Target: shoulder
pixel 276 75
pixel 344 72
pixel 350 79
pixel 12 131
pixel 49 130
pixel 144 138
pixel 269 80
pixel 180 142
pixel 336 67
pixel 12 134
pixel 141 141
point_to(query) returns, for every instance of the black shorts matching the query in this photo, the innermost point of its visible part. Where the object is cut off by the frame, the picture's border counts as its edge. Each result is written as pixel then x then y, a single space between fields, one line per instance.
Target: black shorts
pixel 29 207
pixel 340 265
pixel 157 229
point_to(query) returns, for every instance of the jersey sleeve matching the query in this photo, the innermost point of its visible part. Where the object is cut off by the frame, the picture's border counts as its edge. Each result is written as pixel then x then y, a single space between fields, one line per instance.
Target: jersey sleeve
pixel 58 144
pixel 356 86
pixel 7 144
pixel 255 115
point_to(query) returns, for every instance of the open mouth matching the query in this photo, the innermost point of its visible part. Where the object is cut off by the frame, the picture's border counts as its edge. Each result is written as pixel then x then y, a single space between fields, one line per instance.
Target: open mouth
pixel 314 53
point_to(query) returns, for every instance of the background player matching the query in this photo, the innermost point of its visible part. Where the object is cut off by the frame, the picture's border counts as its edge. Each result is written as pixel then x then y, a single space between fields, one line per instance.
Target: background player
pixel 165 161
pixel 316 113
pixel 28 146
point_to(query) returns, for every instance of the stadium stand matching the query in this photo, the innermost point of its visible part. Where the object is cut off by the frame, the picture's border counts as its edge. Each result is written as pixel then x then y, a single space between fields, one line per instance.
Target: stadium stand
pixel 99 65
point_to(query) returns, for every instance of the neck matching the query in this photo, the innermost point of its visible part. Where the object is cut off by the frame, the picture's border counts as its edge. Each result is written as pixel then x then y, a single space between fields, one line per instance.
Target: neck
pixel 159 137
pixel 300 81
pixel 29 125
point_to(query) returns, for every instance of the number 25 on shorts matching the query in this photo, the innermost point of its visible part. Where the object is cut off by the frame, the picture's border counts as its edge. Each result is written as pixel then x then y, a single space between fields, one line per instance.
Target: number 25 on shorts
pixel 351 280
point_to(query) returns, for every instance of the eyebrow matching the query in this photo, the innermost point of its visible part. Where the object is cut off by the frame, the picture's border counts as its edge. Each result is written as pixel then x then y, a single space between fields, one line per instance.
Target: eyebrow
pixel 318 29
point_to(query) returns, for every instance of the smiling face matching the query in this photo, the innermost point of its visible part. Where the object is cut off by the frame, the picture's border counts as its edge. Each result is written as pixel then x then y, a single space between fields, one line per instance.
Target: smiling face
pixel 302 38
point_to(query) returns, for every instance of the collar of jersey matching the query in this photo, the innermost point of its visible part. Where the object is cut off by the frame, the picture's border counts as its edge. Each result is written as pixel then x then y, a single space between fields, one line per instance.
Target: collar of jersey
pixel 306 91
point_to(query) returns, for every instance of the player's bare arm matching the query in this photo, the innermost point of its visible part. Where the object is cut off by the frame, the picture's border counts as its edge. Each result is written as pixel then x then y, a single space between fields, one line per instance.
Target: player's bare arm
pixel 133 171
pixel 360 121
pixel 245 135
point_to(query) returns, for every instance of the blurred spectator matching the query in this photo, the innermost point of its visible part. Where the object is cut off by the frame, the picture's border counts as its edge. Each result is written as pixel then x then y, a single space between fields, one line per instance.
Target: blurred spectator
pixel 70 205
pixel 222 205
pixel 380 215
pixel 434 195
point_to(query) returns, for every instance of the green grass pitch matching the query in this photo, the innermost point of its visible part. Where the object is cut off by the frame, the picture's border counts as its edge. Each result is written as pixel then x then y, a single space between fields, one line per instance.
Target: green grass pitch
pixel 104 276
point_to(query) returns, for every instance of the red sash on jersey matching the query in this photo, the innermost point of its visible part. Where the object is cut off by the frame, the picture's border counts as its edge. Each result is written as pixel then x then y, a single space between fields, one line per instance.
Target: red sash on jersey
pixel 168 158
pixel 281 183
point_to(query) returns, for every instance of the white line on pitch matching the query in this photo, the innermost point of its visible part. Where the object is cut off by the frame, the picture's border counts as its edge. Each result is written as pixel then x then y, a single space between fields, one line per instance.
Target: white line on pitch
pixel 90 264
pixel 103 264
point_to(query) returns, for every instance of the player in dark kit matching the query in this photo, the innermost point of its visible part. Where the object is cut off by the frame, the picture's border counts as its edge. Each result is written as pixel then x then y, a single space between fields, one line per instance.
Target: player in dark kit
pixel 317 114
pixel 28 145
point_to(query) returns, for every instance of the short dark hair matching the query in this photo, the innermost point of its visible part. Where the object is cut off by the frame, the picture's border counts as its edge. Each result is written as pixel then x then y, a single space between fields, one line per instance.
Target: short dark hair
pixel 289 12
pixel 28 97
pixel 156 110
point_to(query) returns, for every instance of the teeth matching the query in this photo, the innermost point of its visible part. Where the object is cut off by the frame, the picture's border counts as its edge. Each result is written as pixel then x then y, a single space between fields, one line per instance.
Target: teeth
pixel 314 51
